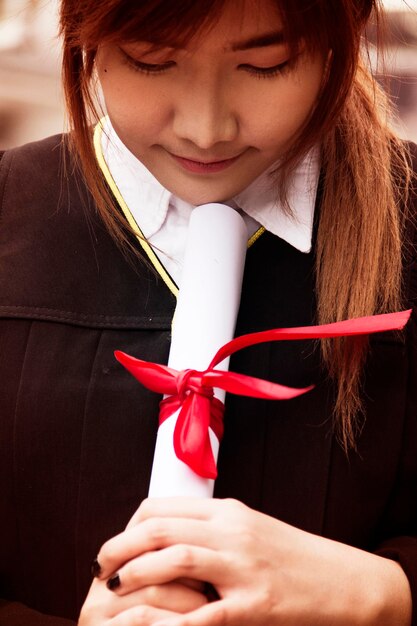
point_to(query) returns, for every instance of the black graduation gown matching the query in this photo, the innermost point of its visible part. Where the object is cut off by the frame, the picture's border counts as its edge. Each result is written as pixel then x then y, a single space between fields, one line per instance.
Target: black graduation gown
pixel 77 432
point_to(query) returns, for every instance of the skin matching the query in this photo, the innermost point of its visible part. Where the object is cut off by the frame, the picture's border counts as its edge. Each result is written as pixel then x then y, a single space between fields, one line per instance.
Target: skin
pixel 266 572
pixel 208 105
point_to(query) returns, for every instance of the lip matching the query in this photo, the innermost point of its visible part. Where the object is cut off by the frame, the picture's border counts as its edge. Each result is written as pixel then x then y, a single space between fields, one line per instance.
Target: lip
pixel 204 167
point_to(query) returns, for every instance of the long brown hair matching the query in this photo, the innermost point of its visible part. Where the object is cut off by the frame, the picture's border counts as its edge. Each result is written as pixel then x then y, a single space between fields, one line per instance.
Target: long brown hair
pixel 366 170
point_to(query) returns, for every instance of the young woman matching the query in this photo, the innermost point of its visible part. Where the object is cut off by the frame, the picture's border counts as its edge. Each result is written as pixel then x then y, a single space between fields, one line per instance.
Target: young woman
pixel 268 105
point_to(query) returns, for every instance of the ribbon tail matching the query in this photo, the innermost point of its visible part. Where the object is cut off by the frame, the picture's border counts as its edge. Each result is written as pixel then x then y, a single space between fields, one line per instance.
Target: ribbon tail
pixel 191 436
pixel 158 378
pixel 356 326
pixel 242 385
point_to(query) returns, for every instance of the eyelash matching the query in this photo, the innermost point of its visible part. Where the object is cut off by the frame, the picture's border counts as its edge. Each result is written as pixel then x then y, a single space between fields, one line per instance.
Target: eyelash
pixel 152 69
pixel 148 68
pixel 267 72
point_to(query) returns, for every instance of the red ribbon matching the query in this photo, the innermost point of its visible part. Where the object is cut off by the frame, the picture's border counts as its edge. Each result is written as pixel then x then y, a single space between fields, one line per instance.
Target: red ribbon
pixel 191 391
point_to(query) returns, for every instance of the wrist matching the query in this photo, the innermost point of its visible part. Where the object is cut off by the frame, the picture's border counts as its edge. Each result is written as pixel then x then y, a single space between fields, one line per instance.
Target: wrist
pixel 388 594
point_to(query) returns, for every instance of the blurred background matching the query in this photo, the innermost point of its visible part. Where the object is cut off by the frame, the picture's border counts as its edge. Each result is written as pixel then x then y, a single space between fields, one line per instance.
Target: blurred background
pixel 31 105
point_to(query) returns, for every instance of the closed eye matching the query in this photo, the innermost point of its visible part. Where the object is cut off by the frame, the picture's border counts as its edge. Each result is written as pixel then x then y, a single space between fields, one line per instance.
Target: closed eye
pixel 266 72
pixel 148 68
pixel 145 68
pixel 159 68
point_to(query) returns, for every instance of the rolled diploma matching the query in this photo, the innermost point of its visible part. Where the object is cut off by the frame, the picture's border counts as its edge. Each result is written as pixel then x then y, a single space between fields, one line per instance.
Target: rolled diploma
pixel 204 320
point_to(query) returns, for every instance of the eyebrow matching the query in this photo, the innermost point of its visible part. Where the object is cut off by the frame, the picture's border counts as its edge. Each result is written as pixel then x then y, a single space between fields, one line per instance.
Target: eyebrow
pixel 260 41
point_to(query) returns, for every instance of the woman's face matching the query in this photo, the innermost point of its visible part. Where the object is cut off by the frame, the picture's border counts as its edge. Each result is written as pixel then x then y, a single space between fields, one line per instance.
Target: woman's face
pixel 209 119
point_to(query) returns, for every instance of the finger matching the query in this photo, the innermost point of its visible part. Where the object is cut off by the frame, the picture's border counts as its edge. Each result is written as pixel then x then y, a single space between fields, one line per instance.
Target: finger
pixel 196 508
pixel 141 615
pixel 170 507
pixel 150 535
pixel 197 585
pixel 173 563
pixel 192 508
pixel 172 596
pixel 102 604
pixel 215 614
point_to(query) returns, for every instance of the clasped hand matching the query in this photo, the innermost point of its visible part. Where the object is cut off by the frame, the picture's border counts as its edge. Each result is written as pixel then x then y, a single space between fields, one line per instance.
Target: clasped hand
pixel 264 571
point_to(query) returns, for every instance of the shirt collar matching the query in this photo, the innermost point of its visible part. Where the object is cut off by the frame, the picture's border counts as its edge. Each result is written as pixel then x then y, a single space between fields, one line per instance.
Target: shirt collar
pixel 295 223
pixel 149 201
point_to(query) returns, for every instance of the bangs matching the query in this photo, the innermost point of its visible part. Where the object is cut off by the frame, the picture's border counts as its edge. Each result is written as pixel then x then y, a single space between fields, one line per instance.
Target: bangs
pixel 160 22
pixel 325 25
pixel 165 23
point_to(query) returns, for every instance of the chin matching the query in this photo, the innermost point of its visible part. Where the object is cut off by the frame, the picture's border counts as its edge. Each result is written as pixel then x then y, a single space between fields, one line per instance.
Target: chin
pixel 199 198
pixel 207 196
pixel 207 200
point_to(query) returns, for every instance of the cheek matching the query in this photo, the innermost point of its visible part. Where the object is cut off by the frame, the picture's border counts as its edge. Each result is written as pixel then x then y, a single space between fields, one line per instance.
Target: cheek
pixel 278 113
pixel 134 105
pixel 135 114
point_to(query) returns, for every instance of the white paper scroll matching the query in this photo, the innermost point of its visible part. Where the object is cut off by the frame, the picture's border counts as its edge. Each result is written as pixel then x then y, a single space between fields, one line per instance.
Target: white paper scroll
pixel 205 318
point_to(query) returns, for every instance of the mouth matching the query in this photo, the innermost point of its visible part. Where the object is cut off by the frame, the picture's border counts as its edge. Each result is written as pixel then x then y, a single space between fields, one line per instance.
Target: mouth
pixel 204 167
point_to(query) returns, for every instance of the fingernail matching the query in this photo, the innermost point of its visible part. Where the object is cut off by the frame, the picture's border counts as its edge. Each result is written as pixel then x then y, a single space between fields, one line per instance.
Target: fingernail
pixel 113 583
pixel 95 568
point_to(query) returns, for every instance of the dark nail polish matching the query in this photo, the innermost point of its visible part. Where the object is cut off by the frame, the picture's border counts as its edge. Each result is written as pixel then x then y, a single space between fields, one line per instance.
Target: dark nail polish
pixel 95 568
pixel 113 583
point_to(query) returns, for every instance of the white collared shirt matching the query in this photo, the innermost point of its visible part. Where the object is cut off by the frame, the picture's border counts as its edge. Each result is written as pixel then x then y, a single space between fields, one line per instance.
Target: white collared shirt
pixel 163 218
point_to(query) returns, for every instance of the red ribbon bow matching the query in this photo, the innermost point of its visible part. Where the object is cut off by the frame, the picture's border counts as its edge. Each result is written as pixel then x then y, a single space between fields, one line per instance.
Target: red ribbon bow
pixel 192 391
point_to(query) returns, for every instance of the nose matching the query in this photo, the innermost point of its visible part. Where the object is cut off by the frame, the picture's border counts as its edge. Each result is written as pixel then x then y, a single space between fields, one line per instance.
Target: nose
pixel 205 115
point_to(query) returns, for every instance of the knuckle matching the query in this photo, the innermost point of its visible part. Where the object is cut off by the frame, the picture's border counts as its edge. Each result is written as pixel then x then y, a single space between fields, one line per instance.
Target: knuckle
pixel 235 506
pixel 183 557
pixel 142 613
pixel 157 532
pixel 107 556
pixel 108 553
pixel 153 595
pixel 132 573
pixel 247 537
pixel 241 522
